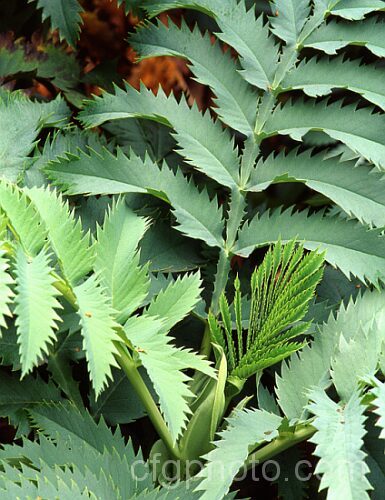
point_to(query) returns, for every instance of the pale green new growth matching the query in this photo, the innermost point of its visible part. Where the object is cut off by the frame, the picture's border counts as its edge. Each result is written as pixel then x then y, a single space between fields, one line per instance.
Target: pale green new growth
pixel 65 234
pixel 35 304
pixel 163 361
pixel 117 259
pixel 281 288
pixel 97 321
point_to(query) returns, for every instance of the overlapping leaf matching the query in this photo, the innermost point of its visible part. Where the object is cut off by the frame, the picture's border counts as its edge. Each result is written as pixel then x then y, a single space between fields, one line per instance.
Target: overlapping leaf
pixel 65 234
pixel 35 307
pixel 164 362
pixel 289 18
pixel 64 15
pixel 197 215
pixel 235 101
pixel 356 189
pixel 20 122
pixel 361 130
pixel 246 429
pixel 6 293
pixel 117 259
pixel 318 77
pixel 96 319
pixel 311 367
pixel 203 142
pixel 333 36
pixel 349 246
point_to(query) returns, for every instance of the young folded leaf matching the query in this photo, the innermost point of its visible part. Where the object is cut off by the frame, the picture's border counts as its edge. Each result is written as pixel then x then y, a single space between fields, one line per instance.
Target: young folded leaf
pixel 281 289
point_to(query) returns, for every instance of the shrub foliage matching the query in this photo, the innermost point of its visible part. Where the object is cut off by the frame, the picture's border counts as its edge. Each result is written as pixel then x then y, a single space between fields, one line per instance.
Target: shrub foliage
pixel 133 230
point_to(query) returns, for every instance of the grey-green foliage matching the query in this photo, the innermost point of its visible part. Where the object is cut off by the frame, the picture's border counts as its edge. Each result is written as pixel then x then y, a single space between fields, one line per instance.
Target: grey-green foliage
pixel 56 465
pixel 347 353
pixel 49 259
pixel 91 287
pixel 247 99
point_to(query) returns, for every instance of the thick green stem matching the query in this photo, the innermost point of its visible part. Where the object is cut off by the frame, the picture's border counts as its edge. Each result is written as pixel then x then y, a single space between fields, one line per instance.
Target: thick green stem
pixel 129 367
pixel 62 287
pixel 280 444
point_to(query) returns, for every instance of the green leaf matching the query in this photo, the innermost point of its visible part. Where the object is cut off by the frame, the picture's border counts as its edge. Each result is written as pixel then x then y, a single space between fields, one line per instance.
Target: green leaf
pixel 117 259
pixel 6 293
pixel 245 431
pixel 144 137
pixel 240 29
pixel 317 77
pixel 334 36
pixel 203 142
pixel 292 473
pixel 9 348
pixel 379 403
pixel 339 440
pixel 64 421
pixel 289 18
pixel 310 368
pixel 356 360
pixel 49 62
pixel 375 448
pixel 164 364
pixel 250 38
pixel 22 217
pixel 65 234
pixel 354 10
pixel 209 7
pixel 176 301
pixel 360 129
pixel 35 307
pixel 198 216
pixel 60 144
pixel 18 395
pixel 166 250
pixel 72 435
pixel 281 289
pixel 235 101
pixel 96 319
pixel 20 122
pixel 64 15
pixel 349 246
pixel 119 403
pixel 356 189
